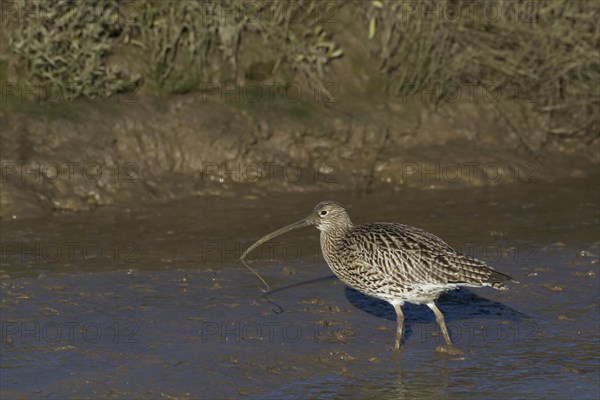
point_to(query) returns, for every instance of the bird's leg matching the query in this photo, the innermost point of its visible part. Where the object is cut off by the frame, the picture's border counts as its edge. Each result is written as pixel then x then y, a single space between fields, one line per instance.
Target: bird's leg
pixel 400 322
pixel 439 317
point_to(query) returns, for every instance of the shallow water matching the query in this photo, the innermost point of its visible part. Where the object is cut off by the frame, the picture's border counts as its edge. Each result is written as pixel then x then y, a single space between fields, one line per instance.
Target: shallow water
pixel 150 302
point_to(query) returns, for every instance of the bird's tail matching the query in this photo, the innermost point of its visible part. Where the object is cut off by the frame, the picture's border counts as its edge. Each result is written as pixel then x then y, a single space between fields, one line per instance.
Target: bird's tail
pixel 497 279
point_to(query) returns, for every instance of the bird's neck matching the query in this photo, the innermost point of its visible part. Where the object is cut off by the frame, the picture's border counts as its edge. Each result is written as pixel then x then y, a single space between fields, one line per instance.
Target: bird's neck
pixel 331 237
pixel 331 246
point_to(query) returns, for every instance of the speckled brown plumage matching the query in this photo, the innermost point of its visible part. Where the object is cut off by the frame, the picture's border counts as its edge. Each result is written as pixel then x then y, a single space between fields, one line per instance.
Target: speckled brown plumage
pixel 399 262
pixel 393 262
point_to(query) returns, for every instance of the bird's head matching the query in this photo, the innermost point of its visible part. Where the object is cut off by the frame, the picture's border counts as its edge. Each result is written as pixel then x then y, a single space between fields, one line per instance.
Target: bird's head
pixel 327 216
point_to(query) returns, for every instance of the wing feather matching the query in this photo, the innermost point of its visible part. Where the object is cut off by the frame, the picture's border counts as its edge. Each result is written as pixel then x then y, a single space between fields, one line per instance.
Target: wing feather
pixel 406 256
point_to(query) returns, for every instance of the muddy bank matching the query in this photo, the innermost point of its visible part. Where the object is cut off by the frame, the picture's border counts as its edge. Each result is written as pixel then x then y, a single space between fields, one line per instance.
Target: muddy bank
pixel 82 155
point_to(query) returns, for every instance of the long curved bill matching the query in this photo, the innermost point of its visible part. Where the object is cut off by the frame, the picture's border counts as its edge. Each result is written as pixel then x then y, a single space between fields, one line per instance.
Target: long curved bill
pixel 278 232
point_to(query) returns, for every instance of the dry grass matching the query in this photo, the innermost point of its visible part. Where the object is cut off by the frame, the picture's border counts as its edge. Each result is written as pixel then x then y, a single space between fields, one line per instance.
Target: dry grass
pixel 546 53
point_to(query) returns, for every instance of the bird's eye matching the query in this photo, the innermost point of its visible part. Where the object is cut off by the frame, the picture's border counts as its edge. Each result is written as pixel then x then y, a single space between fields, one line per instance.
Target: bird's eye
pixel 323 212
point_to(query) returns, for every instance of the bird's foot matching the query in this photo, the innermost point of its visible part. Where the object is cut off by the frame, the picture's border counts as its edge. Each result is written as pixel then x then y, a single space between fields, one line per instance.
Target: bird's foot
pixel 449 350
pixel 395 349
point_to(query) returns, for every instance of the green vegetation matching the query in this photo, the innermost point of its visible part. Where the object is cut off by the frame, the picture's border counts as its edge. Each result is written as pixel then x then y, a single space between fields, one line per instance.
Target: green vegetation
pixel 68 43
pixel 65 45
pixel 545 53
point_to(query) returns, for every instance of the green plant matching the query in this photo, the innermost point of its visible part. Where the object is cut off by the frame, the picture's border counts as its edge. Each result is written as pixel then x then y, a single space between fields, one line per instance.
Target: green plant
pixel 176 37
pixel 295 30
pixel 65 44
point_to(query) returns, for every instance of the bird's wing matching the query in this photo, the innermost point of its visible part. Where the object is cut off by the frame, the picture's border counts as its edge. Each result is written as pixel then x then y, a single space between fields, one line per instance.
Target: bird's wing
pixel 409 256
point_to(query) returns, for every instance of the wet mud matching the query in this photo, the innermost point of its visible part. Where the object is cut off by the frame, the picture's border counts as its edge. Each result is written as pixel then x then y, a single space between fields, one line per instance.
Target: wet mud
pixel 151 302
